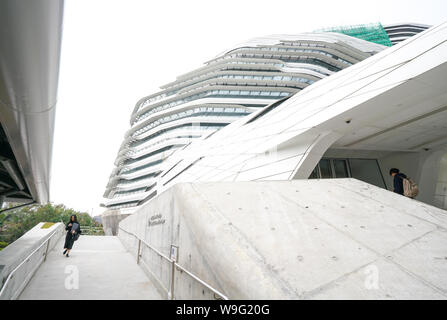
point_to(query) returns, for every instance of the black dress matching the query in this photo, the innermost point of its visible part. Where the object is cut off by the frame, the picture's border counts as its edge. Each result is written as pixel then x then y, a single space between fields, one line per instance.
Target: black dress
pixel 69 237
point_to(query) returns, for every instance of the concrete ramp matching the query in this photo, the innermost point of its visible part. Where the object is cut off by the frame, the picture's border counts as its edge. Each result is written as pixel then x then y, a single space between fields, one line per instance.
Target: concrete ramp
pixel 301 239
pixel 99 268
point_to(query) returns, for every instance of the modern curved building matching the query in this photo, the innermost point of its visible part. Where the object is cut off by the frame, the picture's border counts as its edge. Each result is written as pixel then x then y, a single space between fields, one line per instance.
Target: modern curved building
pixel 238 207
pixel 237 82
pixel 388 111
pixel 244 79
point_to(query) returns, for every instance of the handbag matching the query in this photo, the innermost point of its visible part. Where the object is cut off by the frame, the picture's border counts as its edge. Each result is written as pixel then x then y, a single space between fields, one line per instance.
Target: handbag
pixel 75 228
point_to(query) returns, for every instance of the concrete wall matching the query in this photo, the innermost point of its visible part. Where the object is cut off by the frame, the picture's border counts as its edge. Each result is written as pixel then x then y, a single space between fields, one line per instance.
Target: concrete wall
pixel 19 250
pixel 301 239
pixel 110 221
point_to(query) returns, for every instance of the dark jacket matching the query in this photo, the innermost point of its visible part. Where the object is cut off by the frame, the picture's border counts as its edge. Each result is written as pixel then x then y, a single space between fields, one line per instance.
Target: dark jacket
pixel 399 183
pixel 69 237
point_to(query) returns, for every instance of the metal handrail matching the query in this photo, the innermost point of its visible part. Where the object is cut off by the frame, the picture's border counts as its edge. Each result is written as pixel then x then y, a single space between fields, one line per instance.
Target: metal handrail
pixel 93 231
pixel 91 228
pixel 147 244
pixel 174 264
pixel 47 241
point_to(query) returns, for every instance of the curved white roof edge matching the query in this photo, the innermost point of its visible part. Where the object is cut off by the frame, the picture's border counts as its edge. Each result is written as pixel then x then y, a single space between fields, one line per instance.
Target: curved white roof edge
pixel 30 47
pixel 331 37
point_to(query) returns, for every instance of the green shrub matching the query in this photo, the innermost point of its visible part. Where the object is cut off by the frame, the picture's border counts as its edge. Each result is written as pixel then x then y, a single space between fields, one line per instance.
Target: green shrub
pixel 17 222
pixel 3 244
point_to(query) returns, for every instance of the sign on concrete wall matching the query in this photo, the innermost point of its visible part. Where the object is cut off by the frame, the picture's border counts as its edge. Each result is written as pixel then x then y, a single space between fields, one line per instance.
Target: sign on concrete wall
pixel 155 220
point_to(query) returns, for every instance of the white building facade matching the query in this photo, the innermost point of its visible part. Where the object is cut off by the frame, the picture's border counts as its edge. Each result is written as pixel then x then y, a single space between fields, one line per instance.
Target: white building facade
pixel 269 71
pixel 388 111
pixel 236 83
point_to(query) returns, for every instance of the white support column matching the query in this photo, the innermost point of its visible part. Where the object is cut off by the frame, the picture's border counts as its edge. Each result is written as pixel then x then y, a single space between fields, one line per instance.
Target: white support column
pixel 315 150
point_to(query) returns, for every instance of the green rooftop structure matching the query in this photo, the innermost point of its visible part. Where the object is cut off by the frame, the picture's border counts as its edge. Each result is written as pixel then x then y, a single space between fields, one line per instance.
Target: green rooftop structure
pixel 373 32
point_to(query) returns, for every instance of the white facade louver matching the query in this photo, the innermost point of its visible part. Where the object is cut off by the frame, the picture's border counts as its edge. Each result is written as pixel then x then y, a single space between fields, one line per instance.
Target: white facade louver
pixel 399 32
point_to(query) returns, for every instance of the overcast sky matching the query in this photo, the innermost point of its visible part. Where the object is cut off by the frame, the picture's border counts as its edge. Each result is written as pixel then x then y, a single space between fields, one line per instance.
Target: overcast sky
pixel 114 52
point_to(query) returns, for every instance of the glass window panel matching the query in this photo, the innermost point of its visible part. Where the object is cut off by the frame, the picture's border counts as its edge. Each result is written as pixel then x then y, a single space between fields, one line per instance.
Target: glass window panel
pixel 315 174
pixel 325 168
pixel 367 170
pixel 341 168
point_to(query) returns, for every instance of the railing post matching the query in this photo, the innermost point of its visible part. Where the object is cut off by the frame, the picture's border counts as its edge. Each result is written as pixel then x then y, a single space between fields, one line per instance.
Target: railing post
pixel 46 250
pixel 172 278
pixel 138 252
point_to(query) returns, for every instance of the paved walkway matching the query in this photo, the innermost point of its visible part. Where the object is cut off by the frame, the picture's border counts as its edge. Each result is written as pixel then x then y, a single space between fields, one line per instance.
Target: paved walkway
pixel 104 269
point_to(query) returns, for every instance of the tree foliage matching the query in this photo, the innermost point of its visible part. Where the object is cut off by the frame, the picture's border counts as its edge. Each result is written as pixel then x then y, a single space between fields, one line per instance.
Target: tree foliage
pixel 15 223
